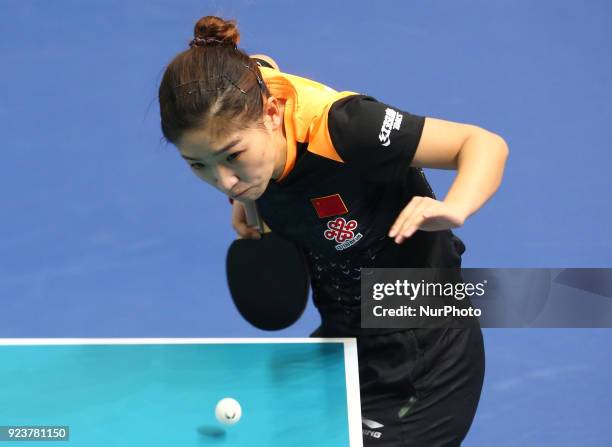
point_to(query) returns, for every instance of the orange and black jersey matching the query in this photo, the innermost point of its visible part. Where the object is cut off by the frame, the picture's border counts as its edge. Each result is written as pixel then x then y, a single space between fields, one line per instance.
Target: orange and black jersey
pixel 347 178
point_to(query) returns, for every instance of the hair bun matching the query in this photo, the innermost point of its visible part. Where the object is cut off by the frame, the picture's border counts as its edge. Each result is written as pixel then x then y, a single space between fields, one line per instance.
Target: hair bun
pixel 211 27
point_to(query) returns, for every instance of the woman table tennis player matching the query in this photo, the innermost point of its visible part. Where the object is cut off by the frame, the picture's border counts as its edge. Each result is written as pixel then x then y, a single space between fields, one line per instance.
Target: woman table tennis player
pixel 339 173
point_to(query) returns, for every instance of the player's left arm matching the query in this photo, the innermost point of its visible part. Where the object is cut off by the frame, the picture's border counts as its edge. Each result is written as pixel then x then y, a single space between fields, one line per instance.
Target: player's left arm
pixel 479 156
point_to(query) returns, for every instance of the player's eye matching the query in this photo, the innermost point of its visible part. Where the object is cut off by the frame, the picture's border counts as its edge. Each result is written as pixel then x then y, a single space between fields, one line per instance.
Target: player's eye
pixel 197 166
pixel 234 156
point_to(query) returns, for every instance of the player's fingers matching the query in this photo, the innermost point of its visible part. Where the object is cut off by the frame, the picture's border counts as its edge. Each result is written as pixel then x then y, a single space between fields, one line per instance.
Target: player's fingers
pixel 405 214
pixel 246 232
pixel 410 225
pixel 250 235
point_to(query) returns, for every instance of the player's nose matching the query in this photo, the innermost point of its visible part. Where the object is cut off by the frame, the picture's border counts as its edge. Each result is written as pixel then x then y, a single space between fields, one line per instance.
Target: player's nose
pixel 226 179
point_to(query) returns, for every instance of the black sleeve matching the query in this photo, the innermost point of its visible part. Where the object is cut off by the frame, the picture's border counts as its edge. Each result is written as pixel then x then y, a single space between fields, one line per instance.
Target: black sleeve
pixel 369 133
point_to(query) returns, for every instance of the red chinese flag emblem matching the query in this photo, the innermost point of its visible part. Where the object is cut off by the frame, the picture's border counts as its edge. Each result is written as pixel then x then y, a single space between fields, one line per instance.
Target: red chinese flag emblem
pixel 329 206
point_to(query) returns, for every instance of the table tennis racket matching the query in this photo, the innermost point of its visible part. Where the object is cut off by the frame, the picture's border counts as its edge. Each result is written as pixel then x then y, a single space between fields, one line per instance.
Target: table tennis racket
pixel 268 277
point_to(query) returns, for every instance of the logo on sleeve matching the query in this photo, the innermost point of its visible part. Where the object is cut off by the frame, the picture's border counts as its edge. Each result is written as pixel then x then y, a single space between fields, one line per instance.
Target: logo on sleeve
pixel 392 121
pixel 343 232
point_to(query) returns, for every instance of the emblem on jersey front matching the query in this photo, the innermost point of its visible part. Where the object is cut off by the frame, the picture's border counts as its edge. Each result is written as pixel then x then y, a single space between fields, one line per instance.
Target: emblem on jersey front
pixel 328 206
pixel 392 121
pixel 343 232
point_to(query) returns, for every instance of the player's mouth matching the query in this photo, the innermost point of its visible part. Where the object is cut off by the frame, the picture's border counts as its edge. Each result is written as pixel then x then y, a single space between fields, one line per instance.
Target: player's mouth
pixel 236 196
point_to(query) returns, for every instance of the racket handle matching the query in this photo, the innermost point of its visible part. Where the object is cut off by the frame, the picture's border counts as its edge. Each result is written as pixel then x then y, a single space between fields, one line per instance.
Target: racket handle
pixel 252 216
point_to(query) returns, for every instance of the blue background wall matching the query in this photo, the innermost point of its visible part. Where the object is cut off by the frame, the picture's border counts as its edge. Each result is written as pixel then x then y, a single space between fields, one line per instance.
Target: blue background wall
pixel 104 232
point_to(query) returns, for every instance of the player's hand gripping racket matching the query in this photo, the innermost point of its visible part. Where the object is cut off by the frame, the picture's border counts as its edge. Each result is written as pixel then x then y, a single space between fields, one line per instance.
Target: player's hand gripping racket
pixel 267 277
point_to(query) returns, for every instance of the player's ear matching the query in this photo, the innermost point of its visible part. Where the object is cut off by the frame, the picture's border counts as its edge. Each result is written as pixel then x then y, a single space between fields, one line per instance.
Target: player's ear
pixel 273 115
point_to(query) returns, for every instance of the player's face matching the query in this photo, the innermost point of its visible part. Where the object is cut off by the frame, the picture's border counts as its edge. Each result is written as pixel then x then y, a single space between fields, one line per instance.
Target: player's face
pixel 241 163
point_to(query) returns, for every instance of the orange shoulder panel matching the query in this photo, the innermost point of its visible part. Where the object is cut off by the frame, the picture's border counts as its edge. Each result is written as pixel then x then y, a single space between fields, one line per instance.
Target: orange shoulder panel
pixel 306 109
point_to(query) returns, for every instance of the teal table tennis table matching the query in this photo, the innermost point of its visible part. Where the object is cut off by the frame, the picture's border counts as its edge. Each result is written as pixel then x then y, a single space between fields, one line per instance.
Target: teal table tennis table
pixel 163 392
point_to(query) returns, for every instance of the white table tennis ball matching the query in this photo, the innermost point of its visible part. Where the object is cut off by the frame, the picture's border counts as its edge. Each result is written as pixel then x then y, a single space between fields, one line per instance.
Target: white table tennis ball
pixel 228 411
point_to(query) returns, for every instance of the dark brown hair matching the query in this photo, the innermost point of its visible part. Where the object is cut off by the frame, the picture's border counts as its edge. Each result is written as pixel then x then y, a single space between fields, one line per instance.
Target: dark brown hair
pixel 212 85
